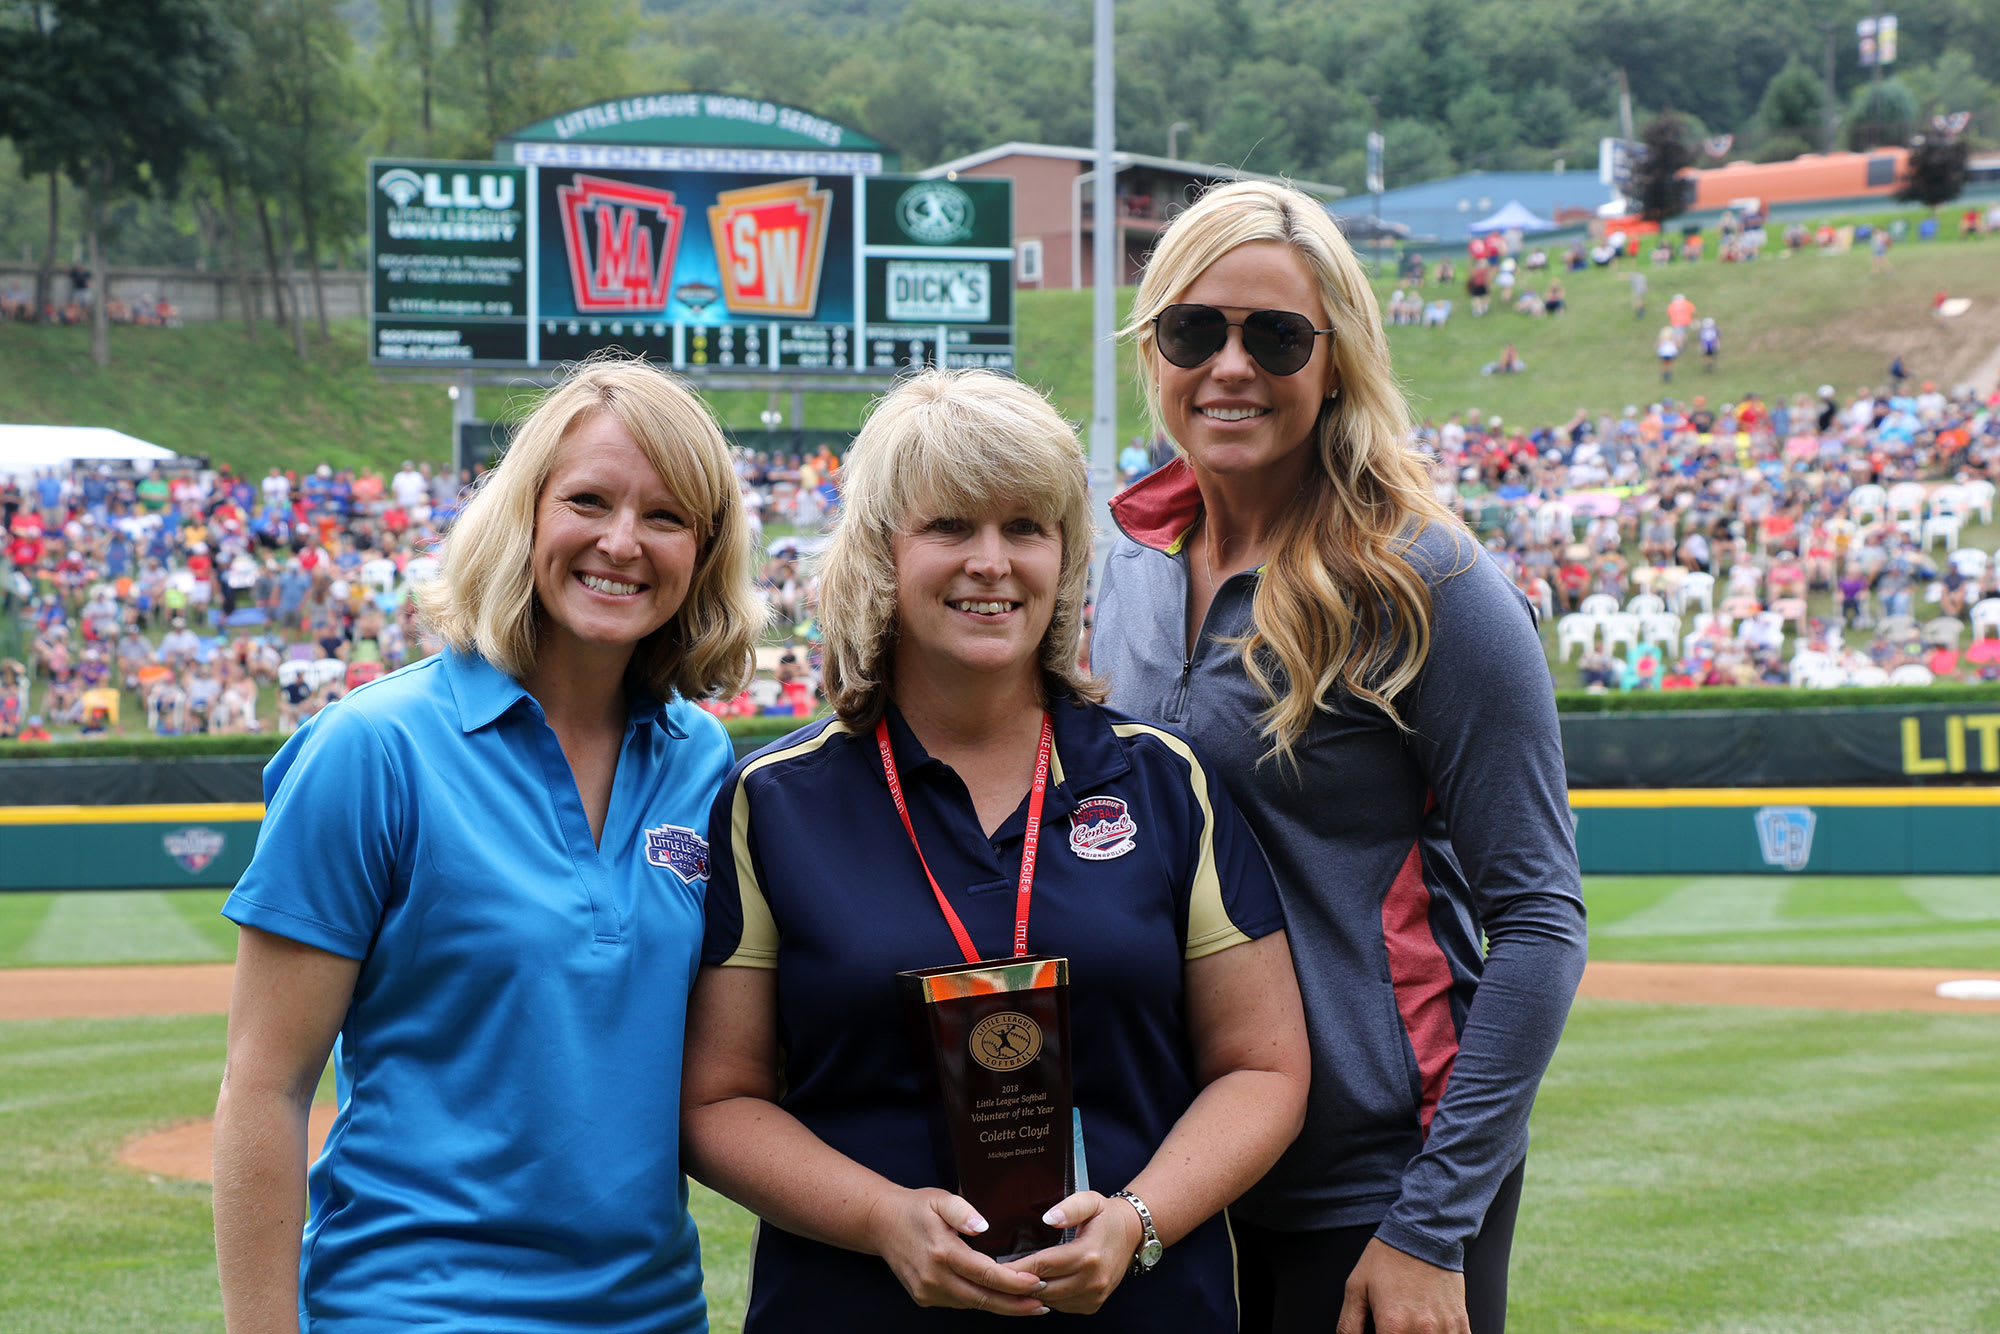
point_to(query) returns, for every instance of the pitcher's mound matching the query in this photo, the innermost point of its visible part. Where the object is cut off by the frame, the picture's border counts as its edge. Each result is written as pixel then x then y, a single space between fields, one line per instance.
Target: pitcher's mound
pixel 183 1151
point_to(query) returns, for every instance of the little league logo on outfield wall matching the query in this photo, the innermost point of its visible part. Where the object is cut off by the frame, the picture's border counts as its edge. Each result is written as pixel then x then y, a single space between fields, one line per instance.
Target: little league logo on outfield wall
pixel 1785 835
pixel 195 848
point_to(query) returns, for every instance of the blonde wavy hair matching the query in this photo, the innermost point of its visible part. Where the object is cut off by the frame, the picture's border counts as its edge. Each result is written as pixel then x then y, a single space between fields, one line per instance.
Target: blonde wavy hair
pixel 1340 605
pixel 948 444
pixel 483 598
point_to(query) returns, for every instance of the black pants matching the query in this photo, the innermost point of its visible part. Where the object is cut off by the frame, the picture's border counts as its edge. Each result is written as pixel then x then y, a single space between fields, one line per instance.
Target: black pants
pixel 1292 1282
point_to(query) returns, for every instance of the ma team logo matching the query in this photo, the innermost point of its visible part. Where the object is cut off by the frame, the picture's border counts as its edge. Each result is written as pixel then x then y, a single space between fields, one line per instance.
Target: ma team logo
pixel 770 244
pixel 621 241
pixel 679 850
pixel 195 848
pixel 1102 828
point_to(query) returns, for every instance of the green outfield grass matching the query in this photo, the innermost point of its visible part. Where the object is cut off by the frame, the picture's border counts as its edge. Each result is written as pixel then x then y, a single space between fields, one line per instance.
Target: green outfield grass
pixel 1695 1168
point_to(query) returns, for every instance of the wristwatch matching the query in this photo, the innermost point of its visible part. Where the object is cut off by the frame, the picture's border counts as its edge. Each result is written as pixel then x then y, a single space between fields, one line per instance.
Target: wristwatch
pixel 1150 1250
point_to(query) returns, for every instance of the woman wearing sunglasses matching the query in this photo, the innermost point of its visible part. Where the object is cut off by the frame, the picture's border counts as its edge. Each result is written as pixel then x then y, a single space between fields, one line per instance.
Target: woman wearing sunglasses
pixel 1290 591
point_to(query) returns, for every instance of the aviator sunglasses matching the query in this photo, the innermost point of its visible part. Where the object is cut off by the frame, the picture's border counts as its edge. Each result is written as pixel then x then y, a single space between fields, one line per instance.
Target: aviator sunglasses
pixel 1281 341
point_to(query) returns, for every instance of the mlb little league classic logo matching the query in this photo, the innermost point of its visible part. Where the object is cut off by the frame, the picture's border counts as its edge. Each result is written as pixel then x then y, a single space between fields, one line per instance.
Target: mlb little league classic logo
pixel 679 850
pixel 195 848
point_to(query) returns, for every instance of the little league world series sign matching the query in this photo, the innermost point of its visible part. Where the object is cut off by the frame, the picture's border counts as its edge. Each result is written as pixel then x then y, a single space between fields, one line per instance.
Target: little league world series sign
pixel 489 264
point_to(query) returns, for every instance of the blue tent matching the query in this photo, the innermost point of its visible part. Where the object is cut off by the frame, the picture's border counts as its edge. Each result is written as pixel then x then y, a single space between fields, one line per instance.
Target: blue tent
pixel 1514 217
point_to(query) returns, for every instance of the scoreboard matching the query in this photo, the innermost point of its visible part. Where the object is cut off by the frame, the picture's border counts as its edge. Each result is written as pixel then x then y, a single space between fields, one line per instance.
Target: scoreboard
pixel 479 264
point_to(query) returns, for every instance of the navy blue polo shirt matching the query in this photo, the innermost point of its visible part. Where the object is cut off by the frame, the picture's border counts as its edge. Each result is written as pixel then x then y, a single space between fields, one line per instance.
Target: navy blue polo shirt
pixel 505 1157
pixel 1144 864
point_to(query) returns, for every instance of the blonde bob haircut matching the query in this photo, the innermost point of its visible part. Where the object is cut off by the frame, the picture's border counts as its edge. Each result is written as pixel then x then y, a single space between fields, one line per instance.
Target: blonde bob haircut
pixel 1339 606
pixel 483 599
pixel 945 444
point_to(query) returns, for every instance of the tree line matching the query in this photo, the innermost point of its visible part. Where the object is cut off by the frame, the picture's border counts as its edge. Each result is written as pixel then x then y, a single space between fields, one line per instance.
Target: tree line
pixel 230 133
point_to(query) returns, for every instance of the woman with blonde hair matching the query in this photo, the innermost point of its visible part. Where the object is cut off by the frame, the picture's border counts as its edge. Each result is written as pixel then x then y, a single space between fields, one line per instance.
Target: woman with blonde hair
pixel 483 874
pixel 970 796
pixel 1373 690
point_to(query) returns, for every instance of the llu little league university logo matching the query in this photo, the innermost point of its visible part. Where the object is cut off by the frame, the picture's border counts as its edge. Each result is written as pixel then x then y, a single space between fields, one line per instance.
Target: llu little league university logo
pixel 195 848
pixel 1102 828
pixel 679 850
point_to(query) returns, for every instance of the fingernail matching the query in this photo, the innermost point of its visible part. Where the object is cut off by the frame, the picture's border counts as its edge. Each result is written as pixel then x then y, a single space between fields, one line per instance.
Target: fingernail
pixel 1056 1217
pixel 975 1224
pixel 1043 1284
pixel 1041 1310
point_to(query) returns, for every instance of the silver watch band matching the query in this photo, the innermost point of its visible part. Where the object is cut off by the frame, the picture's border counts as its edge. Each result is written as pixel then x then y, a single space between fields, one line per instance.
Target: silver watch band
pixel 1150 1249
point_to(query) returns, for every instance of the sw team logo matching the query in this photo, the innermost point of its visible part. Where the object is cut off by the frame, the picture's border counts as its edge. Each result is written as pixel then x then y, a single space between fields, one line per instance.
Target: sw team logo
pixel 770 243
pixel 1101 828
pixel 1785 834
pixel 622 240
pixel 679 850
pixel 194 848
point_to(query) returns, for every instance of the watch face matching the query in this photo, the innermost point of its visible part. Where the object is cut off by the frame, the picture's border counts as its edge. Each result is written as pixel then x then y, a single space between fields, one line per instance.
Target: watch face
pixel 1150 1253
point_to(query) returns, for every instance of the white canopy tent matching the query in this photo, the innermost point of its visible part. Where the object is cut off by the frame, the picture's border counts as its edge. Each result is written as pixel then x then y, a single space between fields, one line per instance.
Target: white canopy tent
pixel 26 450
pixel 1515 217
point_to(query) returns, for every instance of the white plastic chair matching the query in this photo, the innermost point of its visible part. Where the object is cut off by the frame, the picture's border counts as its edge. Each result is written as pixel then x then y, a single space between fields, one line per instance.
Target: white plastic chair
pixel 1911 674
pixel 325 671
pixel 1662 627
pixel 1697 586
pixel 1970 562
pixel 1806 662
pixel 1745 579
pixel 1979 495
pixel 1940 527
pixel 1985 615
pixel 1599 605
pixel 1646 604
pixel 1906 500
pixel 1949 500
pixel 1555 522
pixel 1575 630
pixel 1620 628
pixel 1829 677
pixel 1943 631
pixel 1867 501
pixel 1868 676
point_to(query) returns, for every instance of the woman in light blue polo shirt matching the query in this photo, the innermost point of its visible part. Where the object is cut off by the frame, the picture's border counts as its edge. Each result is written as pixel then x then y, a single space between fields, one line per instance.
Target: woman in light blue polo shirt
pixel 484 873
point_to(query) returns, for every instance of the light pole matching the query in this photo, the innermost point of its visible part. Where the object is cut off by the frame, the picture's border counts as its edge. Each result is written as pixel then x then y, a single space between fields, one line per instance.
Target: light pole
pixel 1174 132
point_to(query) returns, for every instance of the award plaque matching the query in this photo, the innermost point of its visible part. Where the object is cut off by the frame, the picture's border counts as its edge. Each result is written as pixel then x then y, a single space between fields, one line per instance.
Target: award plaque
pixel 999 1032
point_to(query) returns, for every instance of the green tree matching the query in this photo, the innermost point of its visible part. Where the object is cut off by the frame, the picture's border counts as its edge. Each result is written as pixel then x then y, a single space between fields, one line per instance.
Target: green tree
pixel 130 84
pixel 1544 116
pixel 1482 126
pixel 1656 180
pixel 1794 102
pixel 1880 114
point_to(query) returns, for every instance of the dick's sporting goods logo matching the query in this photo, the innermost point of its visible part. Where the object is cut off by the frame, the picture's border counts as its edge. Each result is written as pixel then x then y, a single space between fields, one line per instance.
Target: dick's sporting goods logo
pixel 621 241
pixel 770 245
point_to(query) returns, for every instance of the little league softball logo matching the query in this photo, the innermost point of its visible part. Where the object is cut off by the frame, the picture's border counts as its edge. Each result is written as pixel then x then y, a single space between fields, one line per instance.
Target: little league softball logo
pixel 679 850
pixel 195 848
pixel 1101 828
pixel 1005 1041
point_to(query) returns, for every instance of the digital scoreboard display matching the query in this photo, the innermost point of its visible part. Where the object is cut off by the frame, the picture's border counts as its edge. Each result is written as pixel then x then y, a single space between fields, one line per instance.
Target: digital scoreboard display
pixel 477 264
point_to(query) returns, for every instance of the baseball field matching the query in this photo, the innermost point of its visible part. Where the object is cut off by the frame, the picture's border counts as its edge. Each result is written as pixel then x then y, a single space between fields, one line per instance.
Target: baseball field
pixel 1788 1131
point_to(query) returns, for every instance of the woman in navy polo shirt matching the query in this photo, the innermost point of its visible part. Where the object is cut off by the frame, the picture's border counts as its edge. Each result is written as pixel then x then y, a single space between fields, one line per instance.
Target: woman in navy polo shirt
pixel 951 599
pixel 483 873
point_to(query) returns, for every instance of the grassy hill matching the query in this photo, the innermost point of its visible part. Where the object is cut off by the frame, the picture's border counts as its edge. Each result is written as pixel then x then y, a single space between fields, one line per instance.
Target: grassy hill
pixel 1788 325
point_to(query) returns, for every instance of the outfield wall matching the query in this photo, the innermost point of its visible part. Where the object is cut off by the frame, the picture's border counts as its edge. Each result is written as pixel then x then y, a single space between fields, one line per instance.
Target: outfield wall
pixel 1857 791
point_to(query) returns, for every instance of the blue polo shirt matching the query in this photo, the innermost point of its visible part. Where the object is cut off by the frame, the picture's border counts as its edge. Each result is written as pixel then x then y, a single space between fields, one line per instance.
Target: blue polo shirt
pixel 506 1153
pixel 1143 865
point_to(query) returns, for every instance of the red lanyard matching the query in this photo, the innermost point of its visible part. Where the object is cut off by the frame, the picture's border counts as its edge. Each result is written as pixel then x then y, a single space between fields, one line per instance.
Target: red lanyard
pixel 1022 895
